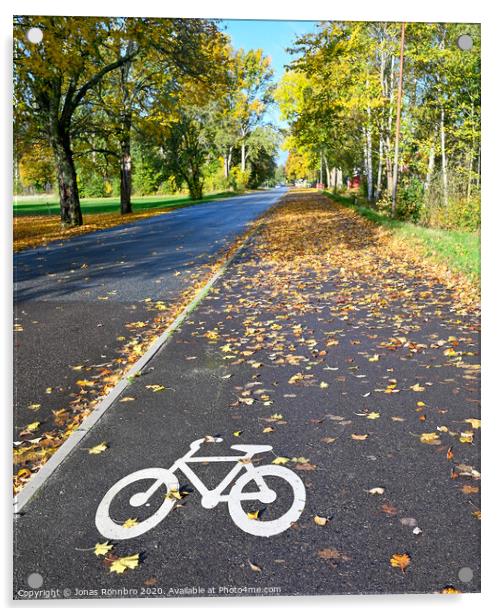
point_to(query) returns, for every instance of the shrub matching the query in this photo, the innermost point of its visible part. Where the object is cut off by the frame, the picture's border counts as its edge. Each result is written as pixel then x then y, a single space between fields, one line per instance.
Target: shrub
pixel 410 199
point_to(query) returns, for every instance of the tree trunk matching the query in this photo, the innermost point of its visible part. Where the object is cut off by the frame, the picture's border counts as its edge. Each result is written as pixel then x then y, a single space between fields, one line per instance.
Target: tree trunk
pixel 243 157
pixel 389 176
pixel 478 165
pixel 370 189
pixel 431 163
pixel 445 185
pixel 327 173
pixel 69 200
pixel 470 173
pixel 126 168
pixel 379 180
pixel 397 123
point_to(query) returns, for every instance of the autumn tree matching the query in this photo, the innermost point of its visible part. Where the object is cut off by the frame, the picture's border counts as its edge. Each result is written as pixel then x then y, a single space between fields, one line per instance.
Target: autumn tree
pixel 53 79
pixel 252 82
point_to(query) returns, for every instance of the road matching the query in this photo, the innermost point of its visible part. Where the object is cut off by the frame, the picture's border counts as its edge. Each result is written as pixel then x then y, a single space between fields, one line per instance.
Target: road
pixel 73 299
pixel 359 376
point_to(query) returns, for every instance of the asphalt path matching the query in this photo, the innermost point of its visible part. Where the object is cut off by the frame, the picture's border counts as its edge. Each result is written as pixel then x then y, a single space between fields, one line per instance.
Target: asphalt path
pixel 243 344
pixel 73 299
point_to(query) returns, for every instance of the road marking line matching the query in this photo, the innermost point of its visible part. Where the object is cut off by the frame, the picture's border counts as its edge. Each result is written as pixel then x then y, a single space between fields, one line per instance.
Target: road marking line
pixel 33 485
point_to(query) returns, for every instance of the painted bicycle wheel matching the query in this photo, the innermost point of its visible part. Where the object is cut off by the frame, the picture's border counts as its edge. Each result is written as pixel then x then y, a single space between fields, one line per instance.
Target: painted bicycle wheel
pixel 111 529
pixel 266 528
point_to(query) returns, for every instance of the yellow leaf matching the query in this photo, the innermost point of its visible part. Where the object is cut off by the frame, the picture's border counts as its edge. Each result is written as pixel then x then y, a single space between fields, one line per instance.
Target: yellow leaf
pixel 268 429
pixel 374 358
pixel 32 426
pixel 359 437
pixel 101 549
pixel 429 437
pixel 324 385
pixel 130 523
pixel 466 437
pixel 417 387
pixel 85 383
pixel 155 388
pixel 320 520
pixel 373 415
pixel 98 448
pixel 237 433
pixel 127 399
pixel 173 495
pixel 400 561
pixel 474 423
pixel 253 515
pixel 126 562
pixel 280 460
pixel 34 407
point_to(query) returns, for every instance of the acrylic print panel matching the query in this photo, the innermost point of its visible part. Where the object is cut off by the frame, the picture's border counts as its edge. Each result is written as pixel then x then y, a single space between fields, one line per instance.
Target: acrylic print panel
pixel 246 307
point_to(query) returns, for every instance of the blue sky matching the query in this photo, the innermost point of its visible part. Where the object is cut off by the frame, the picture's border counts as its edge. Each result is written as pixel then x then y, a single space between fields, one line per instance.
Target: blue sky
pixel 273 37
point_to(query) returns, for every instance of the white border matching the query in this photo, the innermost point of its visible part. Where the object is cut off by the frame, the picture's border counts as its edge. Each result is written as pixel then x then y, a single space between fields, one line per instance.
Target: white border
pixel 485 11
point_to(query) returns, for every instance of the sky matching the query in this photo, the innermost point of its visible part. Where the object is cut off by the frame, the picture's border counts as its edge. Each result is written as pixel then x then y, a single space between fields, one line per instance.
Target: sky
pixel 273 37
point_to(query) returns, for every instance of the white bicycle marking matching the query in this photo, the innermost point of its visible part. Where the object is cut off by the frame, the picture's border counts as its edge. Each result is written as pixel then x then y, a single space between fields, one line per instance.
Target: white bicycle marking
pixel 166 479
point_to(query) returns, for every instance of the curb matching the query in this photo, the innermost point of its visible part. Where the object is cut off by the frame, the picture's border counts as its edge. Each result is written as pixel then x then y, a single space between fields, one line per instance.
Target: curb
pixel 31 488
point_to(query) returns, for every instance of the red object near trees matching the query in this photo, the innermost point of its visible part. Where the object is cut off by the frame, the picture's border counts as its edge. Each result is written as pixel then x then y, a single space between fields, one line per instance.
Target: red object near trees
pixel 354 182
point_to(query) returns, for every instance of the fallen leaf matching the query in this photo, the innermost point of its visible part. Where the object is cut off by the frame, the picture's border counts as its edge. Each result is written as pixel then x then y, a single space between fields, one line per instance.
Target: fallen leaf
pixel 280 460
pixel 254 567
pixel 400 561
pixel 155 388
pixel 417 387
pixel 97 449
pixel 130 523
pixel 101 549
pixel 474 423
pixel 125 562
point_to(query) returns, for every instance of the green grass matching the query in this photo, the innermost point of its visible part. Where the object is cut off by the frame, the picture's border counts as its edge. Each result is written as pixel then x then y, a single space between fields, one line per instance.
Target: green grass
pixel 48 204
pixel 460 250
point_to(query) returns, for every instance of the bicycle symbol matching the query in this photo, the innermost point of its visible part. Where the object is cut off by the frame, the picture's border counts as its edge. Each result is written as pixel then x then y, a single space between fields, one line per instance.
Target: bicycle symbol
pixel 164 477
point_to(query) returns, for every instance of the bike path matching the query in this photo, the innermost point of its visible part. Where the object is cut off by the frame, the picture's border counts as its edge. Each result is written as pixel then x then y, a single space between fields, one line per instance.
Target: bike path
pixel 210 369
pixel 75 300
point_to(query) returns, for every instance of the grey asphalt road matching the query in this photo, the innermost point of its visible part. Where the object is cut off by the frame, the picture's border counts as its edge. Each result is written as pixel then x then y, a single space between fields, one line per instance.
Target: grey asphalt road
pixel 73 299
pixel 231 370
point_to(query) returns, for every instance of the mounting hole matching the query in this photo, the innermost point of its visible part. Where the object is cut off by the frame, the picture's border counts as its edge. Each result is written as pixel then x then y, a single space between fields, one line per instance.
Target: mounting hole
pixel 34 35
pixel 465 42
pixel 35 580
pixel 465 575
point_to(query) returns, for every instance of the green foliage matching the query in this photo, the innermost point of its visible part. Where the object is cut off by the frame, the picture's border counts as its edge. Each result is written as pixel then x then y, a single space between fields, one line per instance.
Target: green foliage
pixel 239 180
pixel 168 98
pixel 339 99
pixel 410 199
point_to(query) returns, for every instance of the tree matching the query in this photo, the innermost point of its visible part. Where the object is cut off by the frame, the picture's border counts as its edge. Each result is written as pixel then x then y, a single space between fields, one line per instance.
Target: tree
pixel 174 48
pixel 53 79
pixel 252 78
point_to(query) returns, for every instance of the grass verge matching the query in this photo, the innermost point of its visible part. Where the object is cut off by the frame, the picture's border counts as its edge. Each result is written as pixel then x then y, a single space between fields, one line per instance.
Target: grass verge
pixel 458 250
pixel 31 230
